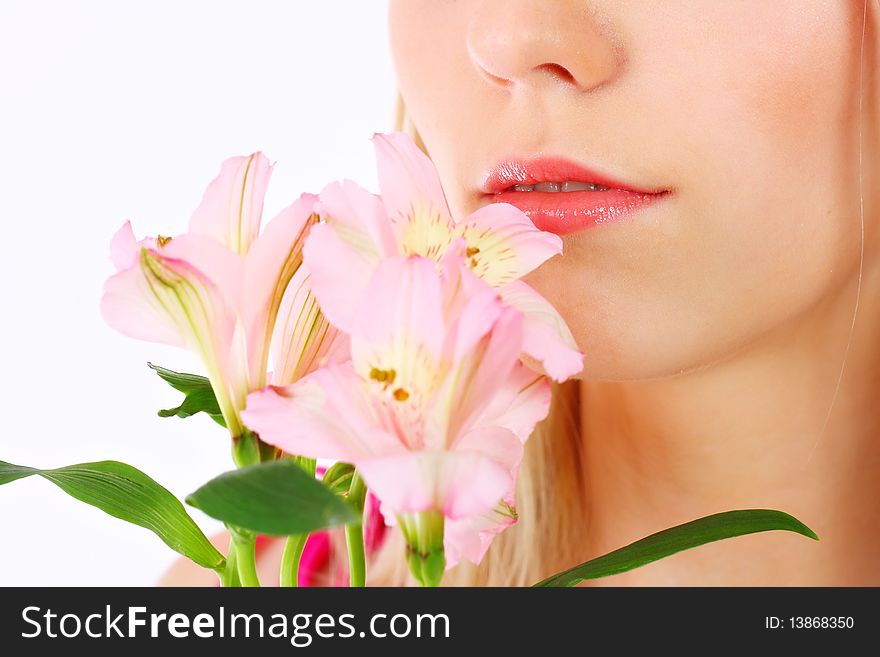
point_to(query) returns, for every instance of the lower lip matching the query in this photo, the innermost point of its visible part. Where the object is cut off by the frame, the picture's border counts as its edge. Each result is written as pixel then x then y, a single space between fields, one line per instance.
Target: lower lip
pixel 569 212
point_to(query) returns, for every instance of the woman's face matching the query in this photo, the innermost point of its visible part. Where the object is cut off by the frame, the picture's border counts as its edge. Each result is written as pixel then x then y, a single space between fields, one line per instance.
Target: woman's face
pixel 745 112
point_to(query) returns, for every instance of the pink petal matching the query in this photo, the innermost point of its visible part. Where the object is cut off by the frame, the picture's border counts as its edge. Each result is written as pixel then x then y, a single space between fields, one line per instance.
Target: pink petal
pixel 482 372
pixel 232 206
pixel 407 177
pixel 183 292
pixel 497 443
pixel 339 275
pixel 474 309
pixel 522 401
pixel 505 243
pixel 359 218
pixel 129 306
pixel 215 262
pixel 403 482
pixel 546 335
pixel 303 339
pixel 400 314
pixel 467 539
pixel 471 484
pixel 325 415
pixel 124 248
pixel 459 484
pixel 168 295
pixel 271 263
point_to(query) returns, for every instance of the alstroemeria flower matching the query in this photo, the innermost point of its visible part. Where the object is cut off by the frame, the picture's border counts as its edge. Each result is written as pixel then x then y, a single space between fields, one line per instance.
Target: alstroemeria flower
pixel 218 289
pixel 411 217
pixel 433 407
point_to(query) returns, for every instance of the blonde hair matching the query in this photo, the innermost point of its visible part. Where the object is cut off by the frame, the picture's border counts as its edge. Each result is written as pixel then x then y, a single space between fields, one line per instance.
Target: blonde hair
pixel 550 497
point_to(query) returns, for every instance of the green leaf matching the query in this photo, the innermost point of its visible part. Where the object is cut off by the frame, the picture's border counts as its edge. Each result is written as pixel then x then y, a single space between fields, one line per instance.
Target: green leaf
pixel 127 493
pixel 276 498
pixel 10 472
pixel 676 539
pixel 200 397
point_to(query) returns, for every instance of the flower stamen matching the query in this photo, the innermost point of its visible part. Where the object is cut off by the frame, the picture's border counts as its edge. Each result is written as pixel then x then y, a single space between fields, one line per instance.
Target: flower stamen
pixel 385 377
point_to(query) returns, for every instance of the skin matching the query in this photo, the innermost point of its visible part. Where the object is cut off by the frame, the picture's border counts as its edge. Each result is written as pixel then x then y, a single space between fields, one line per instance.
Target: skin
pixel 717 323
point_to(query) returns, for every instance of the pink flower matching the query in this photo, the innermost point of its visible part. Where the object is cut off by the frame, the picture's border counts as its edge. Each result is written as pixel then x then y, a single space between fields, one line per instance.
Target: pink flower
pixel 219 288
pixel 411 217
pixel 433 408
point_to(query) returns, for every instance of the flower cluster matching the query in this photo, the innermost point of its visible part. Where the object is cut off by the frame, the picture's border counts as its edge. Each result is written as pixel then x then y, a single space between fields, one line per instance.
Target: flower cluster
pixel 435 404
pixel 404 340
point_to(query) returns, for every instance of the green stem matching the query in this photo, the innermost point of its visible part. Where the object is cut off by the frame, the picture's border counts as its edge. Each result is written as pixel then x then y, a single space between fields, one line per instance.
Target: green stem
pixel 354 535
pixel 293 548
pixel 293 551
pixel 246 560
pixel 229 577
pixel 307 464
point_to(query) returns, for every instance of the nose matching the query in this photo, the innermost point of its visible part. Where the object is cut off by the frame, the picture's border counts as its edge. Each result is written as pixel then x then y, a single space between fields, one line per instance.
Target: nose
pixel 534 42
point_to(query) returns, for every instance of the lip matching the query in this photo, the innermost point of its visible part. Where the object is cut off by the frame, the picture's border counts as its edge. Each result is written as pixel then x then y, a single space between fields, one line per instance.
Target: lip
pixel 566 212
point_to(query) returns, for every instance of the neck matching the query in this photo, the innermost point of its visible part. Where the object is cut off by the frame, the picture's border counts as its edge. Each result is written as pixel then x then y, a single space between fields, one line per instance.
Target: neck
pixel 766 428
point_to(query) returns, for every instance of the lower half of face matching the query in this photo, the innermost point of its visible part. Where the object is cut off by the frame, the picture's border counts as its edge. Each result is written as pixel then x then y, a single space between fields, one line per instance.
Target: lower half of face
pixel 746 114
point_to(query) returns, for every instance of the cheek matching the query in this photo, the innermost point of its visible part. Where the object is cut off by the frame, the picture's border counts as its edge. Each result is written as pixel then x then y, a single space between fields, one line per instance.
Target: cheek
pixel 764 223
pixel 430 59
pixel 444 95
pixel 777 195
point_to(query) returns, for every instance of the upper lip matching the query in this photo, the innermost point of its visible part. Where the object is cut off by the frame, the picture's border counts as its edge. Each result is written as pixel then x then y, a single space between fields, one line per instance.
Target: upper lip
pixel 534 170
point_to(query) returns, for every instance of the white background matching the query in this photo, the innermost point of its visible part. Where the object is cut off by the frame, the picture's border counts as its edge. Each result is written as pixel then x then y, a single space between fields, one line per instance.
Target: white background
pixel 122 110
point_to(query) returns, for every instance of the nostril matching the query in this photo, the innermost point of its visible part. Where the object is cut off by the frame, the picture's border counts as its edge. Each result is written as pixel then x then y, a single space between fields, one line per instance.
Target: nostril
pixel 557 71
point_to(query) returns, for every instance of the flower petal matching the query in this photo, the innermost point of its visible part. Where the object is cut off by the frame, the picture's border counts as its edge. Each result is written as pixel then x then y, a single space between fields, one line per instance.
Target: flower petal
pixel 546 335
pixel 472 306
pixel 124 248
pixel 232 205
pixel 324 415
pixel 477 376
pixel 339 275
pixel 397 340
pixel 407 177
pixel 504 245
pixel 180 291
pixel 271 263
pixel 223 268
pixel 467 539
pixel 129 306
pixel 496 443
pixel 167 299
pixel 303 339
pixel 359 218
pixel 458 484
pixel 520 403
pixel 403 303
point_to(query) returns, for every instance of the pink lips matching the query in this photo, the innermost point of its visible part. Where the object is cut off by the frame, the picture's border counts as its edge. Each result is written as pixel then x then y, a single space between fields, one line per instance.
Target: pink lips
pixel 565 212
